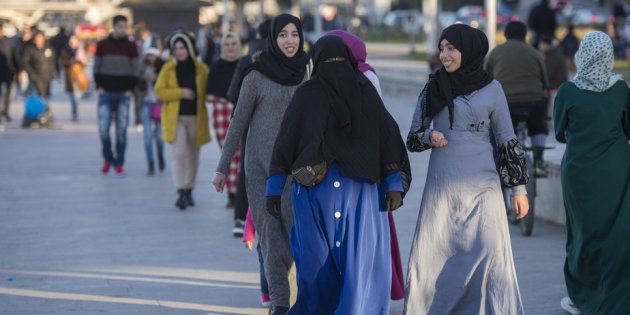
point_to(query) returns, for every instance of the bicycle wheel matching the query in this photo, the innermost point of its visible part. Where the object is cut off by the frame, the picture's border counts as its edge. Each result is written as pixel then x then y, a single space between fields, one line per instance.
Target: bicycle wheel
pixel 527 223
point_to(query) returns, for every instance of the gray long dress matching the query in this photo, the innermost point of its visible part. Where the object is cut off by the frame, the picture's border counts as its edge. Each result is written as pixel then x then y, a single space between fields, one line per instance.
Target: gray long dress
pixel 461 258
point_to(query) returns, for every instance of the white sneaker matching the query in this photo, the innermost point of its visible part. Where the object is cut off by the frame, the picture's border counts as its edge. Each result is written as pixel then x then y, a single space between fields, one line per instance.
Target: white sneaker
pixel 568 306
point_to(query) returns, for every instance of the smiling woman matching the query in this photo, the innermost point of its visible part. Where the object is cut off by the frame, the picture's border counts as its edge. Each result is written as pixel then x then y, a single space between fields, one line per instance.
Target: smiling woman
pixel 268 86
pixel 450 57
pixel 288 40
pixel 461 257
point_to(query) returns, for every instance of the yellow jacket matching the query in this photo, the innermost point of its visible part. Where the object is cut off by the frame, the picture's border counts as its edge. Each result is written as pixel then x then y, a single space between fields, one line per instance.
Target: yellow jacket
pixel 168 91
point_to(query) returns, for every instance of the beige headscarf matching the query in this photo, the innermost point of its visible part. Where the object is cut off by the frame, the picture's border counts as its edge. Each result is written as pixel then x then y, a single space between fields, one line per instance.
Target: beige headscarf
pixel 238 46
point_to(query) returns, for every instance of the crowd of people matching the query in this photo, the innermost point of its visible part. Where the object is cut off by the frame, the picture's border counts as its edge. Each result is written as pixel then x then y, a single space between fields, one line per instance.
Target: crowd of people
pixel 315 165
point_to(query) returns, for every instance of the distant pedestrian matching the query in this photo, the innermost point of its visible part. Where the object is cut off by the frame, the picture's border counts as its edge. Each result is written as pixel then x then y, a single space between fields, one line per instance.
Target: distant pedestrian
pixel 116 68
pixel 71 63
pixel 58 42
pixel 181 86
pixel 461 257
pixel 555 65
pixel 218 84
pixel 21 42
pixel 570 44
pixel 521 70
pixel 591 116
pixel 39 62
pixel 542 20
pixel 7 72
pixel 340 144
pixel 145 41
pixel 267 89
pixel 359 52
pixel 151 109
pixel 241 204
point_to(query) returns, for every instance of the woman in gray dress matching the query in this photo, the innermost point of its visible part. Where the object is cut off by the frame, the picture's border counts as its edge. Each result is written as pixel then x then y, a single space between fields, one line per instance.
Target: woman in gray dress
pixel 461 258
pixel 268 86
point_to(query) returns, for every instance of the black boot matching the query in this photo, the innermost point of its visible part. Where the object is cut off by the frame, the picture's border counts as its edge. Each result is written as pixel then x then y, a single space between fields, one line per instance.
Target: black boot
pixel 278 310
pixel 151 169
pixel 161 164
pixel 182 200
pixel 231 201
pixel 189 198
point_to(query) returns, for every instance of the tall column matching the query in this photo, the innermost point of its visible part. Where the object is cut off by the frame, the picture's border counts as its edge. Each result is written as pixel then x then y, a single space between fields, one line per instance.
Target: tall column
pixel 491 22
pixel 430 10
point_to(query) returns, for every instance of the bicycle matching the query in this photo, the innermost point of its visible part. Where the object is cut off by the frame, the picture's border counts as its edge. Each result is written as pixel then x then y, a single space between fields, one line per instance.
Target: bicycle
pixel 527 223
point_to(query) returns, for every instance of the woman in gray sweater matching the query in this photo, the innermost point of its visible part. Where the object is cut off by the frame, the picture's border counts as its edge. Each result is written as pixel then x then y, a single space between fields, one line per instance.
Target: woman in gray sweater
pixel 267 89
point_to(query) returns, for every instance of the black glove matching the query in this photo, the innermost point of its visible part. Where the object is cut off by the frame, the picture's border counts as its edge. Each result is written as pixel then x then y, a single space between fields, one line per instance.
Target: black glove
pixel 273 206
pixel 393 200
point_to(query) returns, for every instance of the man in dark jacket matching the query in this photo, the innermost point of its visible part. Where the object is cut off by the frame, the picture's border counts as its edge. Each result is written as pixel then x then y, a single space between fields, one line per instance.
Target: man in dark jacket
pixel 521 70
pixel 542 20
pixel 7 71
pixel 39 62
pixel 116 70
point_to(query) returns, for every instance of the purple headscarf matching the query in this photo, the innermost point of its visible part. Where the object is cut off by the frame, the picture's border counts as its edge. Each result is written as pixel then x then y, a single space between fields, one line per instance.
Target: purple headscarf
pixel 357 46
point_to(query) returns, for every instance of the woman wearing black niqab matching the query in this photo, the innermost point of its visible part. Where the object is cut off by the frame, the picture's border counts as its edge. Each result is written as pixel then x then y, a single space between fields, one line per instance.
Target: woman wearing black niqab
pixel 340 239
pixel 461 257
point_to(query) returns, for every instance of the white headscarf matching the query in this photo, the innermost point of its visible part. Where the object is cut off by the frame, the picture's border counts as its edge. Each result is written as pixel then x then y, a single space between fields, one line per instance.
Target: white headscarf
pixel 238 46
pixel 594 61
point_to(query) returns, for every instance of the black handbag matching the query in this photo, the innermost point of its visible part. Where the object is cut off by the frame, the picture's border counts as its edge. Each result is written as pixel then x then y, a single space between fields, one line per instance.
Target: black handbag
pixel 310 176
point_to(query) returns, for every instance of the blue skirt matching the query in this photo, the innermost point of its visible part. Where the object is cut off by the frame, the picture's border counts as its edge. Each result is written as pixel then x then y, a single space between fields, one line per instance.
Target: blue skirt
pixel 341 247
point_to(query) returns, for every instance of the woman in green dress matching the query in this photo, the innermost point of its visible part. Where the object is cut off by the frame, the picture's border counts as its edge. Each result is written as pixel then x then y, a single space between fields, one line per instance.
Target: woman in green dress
pixel 591 115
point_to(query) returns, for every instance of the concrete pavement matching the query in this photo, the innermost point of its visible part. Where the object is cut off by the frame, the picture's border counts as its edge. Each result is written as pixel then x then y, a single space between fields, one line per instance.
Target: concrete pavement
pixel 75 242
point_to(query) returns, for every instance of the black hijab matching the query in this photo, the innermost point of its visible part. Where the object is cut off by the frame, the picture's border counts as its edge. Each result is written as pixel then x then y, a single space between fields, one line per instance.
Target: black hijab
pixel 185 70
pixel 339 117
pixel 444 87
pixel 220 77
pixel 273 63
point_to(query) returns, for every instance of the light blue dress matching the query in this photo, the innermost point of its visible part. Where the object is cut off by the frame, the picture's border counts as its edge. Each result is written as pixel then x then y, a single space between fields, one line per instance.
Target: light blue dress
pixel 461 258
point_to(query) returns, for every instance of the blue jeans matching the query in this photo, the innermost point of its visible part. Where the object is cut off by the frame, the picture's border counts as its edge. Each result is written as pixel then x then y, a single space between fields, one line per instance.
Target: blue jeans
pixel 264 287
pixel 74 103
pixel 113 105
pixel 152 130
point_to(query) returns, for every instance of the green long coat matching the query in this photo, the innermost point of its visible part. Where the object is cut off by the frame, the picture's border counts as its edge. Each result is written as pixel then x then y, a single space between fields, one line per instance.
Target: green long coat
pixel 596 191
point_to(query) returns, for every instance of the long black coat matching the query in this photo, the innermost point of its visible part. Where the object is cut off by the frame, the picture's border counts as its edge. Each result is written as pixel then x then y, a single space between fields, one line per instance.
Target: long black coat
pixel 6 60
pixel 40 66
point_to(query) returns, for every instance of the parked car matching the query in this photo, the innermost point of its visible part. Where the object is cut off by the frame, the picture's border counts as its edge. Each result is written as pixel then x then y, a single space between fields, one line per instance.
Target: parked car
pixel 591 16
pixel 447 18
pixel 469 14
pixel 399 18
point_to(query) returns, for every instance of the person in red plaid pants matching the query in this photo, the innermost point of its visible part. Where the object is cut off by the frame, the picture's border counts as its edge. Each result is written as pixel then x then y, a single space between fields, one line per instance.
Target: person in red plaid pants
pixel 221 73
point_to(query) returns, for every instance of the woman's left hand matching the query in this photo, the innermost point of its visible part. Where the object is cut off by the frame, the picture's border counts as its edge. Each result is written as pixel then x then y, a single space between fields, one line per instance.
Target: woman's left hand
pixel 219 181
pixel 521 205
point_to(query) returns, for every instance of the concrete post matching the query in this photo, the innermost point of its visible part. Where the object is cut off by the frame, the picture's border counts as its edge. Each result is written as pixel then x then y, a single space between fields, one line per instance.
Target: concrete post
pixel 430 10
pixel 491 22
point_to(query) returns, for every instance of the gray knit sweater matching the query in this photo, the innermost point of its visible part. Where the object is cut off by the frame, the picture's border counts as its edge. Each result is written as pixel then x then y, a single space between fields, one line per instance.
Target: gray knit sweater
pixel 261 106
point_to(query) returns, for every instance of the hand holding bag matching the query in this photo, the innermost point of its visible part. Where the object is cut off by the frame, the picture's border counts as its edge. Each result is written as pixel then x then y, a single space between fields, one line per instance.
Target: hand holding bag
pixel 310 176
